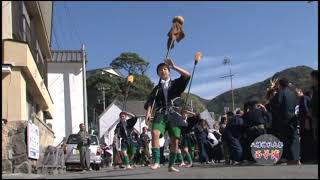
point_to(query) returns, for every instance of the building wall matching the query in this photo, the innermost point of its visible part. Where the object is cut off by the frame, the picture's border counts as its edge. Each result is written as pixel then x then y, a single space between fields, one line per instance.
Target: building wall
pixel 56 89
pixel 46 12
pixel 6 20
pixel 65 85
pixel 25 77
pixel 14 104
pixel 15 85
pixel 19 56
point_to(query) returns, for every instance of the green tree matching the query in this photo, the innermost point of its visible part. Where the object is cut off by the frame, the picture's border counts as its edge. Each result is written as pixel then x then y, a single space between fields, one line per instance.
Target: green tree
pixel 103 81
pixel 131 63
pixel 140 88
pixel 98 84
pixel 116 88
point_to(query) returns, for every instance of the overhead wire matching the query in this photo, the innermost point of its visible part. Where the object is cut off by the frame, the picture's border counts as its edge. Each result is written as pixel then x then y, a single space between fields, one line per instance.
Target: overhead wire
pixel 55 28
pixel 74 27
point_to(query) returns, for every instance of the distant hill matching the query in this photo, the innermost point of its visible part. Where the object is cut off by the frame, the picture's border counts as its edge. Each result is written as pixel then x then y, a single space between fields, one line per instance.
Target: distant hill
pixel 204 101
pixel 298 76
pixel 197 103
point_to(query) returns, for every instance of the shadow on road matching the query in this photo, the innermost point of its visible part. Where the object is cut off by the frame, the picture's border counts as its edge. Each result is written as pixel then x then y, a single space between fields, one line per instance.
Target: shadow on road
pixel 117 175
pixel 223 165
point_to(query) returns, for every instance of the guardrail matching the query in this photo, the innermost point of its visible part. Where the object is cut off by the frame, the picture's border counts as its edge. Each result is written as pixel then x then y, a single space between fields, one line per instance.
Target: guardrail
pixel 53 161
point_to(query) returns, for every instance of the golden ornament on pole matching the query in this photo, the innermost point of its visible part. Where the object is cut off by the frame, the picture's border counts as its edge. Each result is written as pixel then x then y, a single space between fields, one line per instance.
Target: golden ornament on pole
pixel 179 19
pixel 197 57
pixel 130 79
pixel 176 32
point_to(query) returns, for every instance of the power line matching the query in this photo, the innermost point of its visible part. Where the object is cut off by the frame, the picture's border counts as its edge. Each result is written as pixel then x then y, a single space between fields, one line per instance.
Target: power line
pixel 68 26
pixel 72 22
pixel 56 39
pixel 58 24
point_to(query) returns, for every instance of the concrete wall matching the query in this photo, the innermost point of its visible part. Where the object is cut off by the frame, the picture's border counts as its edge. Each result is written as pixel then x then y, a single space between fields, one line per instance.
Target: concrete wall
pixel 14 102
pixel 65 84
pixel 14 140
pixel 6 20
pixel 18 54
pixel 46 12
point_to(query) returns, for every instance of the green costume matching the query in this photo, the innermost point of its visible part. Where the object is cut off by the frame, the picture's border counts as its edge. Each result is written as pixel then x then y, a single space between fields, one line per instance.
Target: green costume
pixel 166 119
pixel 129 138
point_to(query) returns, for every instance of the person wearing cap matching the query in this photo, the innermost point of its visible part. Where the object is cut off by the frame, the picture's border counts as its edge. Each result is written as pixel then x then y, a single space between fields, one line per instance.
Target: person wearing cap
pixel 163 121
pixel 125 131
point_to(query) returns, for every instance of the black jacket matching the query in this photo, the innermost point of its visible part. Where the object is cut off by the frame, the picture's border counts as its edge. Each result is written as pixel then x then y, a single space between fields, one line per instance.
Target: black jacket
pixel 176 87
pixel 124 130
pixel 256 117
pixel 192 121
pixel 235 127
pixel 304 106
pixel 288 102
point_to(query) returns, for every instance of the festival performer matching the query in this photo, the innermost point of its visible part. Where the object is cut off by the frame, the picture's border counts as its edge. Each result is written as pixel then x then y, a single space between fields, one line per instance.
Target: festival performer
pixel 126 132
pixel 165 118
pixel 144 147
pixel 188 139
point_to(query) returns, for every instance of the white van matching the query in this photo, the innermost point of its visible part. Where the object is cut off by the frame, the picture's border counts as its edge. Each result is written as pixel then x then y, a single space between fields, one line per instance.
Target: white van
pixel 72 154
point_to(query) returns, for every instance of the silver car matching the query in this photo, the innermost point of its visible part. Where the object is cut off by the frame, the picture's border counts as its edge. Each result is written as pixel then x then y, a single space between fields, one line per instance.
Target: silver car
pixel 72 154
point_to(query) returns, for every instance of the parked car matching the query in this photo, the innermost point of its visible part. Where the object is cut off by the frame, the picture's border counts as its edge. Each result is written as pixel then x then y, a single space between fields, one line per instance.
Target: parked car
pixel 72 154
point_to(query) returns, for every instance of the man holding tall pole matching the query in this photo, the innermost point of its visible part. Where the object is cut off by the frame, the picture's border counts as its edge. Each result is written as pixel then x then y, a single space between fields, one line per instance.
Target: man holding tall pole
pixel 168 90
pixel 162 98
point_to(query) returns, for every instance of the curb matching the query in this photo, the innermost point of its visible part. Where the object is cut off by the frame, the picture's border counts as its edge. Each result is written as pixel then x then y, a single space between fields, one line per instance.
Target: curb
pixel 22 176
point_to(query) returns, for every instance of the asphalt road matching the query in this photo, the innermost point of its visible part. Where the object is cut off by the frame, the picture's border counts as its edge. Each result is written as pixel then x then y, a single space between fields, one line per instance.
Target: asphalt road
pixel 217 171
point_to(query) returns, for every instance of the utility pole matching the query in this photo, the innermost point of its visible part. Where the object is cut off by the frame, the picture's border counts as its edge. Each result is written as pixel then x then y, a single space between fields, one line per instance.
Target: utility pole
pixel 104 98
pixel 227 61
pixel 94 115
pixel 84 88
pixel 102 88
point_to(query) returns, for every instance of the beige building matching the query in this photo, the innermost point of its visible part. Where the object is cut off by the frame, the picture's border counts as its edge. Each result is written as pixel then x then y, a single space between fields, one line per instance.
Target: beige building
pixel 26 39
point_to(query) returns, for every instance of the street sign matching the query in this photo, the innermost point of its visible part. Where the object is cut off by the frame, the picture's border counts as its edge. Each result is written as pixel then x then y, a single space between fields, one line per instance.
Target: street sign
pixel 33 140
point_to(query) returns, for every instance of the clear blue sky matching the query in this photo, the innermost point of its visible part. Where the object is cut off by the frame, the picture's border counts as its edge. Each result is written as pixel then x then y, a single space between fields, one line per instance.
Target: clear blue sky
pixel 261 38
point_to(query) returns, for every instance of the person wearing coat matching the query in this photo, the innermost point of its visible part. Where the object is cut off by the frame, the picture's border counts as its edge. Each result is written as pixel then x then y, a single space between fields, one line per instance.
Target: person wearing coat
pixel 125 131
